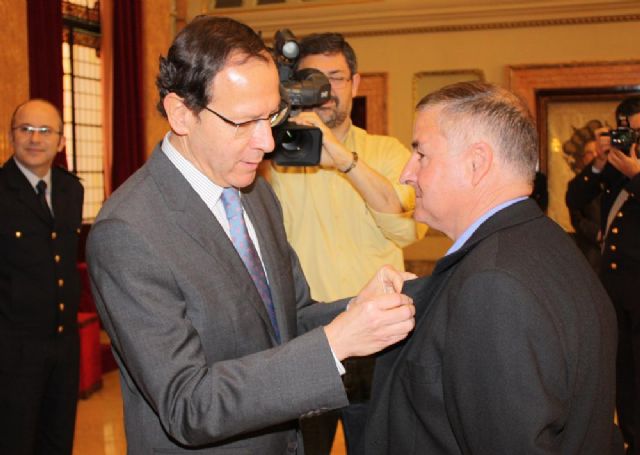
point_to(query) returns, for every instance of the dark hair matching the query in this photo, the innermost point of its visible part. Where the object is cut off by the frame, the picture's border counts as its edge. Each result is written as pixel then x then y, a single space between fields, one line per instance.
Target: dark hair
pixel 328 44
pixel 198 53
pixel 480 111
pixel 628 107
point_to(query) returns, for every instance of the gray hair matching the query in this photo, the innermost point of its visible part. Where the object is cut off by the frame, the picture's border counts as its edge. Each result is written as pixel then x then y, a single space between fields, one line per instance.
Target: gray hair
pixel 474 111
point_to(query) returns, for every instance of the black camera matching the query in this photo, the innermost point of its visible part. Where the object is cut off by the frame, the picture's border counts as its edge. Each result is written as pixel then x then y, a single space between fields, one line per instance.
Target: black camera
pixel 623 138
pixel 297 145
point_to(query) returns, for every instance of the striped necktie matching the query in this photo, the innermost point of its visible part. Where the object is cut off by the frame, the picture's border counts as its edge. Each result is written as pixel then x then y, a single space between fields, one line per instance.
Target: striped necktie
pixel 247 251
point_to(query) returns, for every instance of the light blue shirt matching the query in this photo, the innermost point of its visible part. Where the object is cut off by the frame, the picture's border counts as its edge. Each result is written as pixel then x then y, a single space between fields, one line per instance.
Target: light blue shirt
pixel 476 224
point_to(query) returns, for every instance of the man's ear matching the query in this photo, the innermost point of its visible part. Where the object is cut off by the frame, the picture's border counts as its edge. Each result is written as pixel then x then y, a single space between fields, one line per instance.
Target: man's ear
pixel 481 158
pixel 61 143
pixel 355 83
pixel 179 115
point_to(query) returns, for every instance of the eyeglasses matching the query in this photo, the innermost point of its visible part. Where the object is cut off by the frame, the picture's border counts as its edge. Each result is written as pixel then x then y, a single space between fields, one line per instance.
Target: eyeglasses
pixel 244 129
pixel 338 81
pixel 28 130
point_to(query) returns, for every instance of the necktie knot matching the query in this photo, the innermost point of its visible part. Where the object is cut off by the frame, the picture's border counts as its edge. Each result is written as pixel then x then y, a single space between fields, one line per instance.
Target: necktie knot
pixel 41 187
pixel 231 202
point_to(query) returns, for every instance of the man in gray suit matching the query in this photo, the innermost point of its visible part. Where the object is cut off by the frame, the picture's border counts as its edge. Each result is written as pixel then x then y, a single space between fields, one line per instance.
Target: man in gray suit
pixel 515 341
pixel 220 347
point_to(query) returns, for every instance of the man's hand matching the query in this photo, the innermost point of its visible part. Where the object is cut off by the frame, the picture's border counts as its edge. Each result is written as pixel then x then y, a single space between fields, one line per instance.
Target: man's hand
pixel 627 165
pixel 603 145
pixel 334 154
pixel 378 317
pixel 386 281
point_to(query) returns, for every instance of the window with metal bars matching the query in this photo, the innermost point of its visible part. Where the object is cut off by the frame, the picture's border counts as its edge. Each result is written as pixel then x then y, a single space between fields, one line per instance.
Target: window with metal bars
pixel 82 111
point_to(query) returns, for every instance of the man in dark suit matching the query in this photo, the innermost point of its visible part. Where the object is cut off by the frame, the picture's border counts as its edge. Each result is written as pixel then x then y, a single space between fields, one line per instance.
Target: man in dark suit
pixel 614 177
pixel 41 214
pixel 514 345
pixel 219 345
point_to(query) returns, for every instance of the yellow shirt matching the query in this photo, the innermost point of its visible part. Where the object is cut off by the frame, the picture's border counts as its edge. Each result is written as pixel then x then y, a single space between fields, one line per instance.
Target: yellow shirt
pixel 340 241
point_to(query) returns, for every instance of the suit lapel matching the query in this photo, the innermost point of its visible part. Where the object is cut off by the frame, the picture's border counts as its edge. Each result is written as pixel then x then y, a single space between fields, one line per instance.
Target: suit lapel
pixel 191 214
pixel 60 195
pixel 25 192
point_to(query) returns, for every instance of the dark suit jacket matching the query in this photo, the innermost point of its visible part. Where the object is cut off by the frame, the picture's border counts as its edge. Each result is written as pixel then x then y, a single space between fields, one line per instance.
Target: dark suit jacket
pixel 620 264
pixel 35 255
pixel 513 351
pixel 198 362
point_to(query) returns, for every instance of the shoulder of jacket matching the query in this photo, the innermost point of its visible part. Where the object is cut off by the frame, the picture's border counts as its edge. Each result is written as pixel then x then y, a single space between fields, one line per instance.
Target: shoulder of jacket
pixel 66 171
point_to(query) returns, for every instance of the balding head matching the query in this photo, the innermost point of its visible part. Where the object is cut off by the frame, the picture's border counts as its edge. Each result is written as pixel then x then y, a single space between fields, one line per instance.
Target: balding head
pixel 36 135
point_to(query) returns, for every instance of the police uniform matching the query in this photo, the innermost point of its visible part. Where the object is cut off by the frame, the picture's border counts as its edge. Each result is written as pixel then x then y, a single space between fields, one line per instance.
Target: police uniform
pixel 620 274
pixel 39 297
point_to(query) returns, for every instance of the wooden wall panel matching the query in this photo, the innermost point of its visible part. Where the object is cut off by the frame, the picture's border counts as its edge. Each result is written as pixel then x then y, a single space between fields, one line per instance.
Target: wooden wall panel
pixel 14 77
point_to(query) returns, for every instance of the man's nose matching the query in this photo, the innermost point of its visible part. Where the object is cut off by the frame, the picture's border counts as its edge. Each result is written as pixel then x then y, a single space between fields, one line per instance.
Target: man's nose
pixel 407 176
pixel 36 136
pixel 263 137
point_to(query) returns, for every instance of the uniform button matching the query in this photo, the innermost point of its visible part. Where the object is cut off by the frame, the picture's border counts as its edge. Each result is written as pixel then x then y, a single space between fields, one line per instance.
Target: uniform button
pixel 54 235
pixel 78 231
pixel 614 230
pixel 18 234
pixel 60 282
pixel 56 258
pixel 61 306
pixel 619 214
pixel 614 266
pixel 613 247
pixel 60 329
pixel 586 178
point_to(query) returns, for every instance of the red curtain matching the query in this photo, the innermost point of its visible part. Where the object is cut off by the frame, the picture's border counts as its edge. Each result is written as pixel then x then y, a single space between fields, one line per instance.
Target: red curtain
pixel 44 24
pixel 128 126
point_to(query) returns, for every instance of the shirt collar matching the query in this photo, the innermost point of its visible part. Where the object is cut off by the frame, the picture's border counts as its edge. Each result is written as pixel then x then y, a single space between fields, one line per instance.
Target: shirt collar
pixel 208 191
pixel 33 178
pixel 476 224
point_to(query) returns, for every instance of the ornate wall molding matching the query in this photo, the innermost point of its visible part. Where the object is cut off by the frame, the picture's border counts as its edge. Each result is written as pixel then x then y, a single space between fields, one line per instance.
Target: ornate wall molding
pixel 525 80
pixel 499 25
pixel 392 17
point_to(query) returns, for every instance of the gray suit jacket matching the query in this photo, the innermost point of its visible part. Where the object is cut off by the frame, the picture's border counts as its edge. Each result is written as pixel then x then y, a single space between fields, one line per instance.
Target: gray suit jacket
pixel 198 362
pixel 513 352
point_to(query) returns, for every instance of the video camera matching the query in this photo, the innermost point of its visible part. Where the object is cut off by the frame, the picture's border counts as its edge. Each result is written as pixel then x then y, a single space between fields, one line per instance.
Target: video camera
pixel 623 137
pixel 297 145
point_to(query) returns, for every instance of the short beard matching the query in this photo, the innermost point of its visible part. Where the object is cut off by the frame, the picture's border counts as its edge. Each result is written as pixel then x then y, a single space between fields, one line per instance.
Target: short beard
pixel 332 117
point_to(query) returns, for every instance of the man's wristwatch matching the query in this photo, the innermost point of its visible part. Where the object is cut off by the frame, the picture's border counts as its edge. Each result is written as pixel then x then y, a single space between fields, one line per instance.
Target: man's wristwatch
pixel 353 163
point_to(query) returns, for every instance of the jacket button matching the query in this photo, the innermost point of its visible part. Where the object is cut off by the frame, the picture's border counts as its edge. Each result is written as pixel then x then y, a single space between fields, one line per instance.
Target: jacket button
pixel 60 282
pixel 54 235
pixel 78 231
pixel 619 214
pixel 613 247
pixel 586 178
pixel 614 266
pixel 615 230
pixel 18 234
pixel 56 258
pixel 60 329
pixel 61 306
